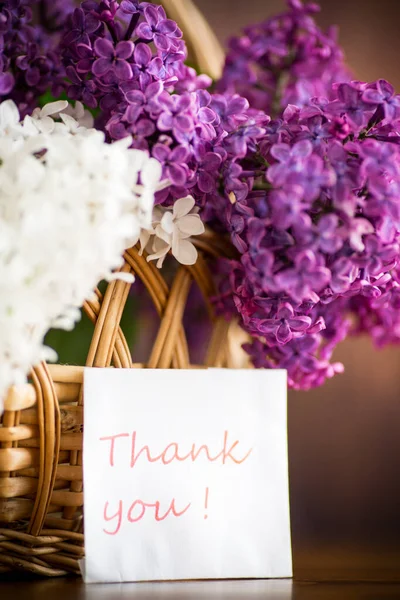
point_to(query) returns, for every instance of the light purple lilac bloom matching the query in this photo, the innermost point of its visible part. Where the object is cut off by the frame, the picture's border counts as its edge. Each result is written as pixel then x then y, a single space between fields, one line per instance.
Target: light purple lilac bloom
pixel 285 60
pixel 317 228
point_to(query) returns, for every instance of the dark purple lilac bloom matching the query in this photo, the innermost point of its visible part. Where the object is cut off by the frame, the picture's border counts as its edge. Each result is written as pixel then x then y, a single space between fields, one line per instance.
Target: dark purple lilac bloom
pixel 348 176
pixel 144 66
pixel 176 116
pixel 113 59
pixel 108 43
pixel 82 26
pixel 53 14
pixel 142 103
pixel 208 169
pixel 237 142
pixel 29 63
pixel 316 219
pixel 380 160
pixel 378 257
pixel 313 177
pixel 343 274
pixel 81 88
pixel 7 83
pixel 234 183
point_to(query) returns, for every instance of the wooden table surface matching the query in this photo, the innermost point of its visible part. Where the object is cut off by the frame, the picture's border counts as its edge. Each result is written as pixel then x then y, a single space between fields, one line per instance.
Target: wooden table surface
pixel 320 573
pixel 74 589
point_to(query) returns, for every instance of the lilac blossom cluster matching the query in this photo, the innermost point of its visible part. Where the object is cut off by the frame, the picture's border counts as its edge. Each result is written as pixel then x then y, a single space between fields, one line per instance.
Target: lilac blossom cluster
pixel 310 199
pixel 29 62
pixel 318 231
pixel 285 60
pixel 128 59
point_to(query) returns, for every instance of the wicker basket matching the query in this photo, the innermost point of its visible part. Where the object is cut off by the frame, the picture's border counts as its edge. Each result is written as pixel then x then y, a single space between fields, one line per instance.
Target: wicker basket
pixel 41 499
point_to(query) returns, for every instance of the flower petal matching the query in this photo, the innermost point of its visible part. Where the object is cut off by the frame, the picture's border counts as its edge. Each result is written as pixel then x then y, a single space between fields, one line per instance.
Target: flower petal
pixel 151 173
pixel 104 48
pixel 123 70
pixel 53 108
pixel 191 225
pixel 185 253
pixel 142 54
pixel 283 333
pixel 124 49
pixel 183 206
pixel 101 66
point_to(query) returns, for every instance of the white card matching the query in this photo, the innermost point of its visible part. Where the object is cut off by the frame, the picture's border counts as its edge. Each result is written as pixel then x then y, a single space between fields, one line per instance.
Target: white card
pixel 185 475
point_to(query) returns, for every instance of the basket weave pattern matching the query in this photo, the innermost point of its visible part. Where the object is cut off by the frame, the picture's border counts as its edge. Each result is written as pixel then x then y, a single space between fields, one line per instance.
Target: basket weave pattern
pixel 41 431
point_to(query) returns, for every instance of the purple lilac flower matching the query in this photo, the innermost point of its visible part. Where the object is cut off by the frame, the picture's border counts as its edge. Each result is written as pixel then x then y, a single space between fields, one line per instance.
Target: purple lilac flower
pixel 81 89
pixel 208 170
pixel 286 324
pixel 145 66
pixel 174 162
pixel 350 102
pixel 285 60
pixel 157 28
pixel 237 141
pixel 54 13
pixel 82 26
pixel 111 43
pixel 307 277
pixel 317 227
pixel 298 166
pixel 128 58
pixel 328 237
pixel 112 59
pixel 382 93
pixel 310 199
pixel 230 110
pixel 176 116
pixel 287 206
pixel 29 64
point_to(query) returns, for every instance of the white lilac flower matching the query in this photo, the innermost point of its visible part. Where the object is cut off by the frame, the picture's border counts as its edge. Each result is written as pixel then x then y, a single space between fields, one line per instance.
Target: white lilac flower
pixel 172 229
pixel 80 114
pixel 69 206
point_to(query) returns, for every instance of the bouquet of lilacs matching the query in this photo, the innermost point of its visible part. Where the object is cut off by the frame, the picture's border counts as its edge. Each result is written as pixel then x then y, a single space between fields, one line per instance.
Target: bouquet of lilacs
pixel 286 155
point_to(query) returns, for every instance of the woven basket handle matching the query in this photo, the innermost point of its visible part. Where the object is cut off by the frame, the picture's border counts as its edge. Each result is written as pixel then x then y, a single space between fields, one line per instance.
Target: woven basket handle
pixel 204 47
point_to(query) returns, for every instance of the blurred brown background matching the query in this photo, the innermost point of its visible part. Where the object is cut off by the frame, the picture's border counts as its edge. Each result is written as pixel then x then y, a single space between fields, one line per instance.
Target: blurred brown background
pixel 344 441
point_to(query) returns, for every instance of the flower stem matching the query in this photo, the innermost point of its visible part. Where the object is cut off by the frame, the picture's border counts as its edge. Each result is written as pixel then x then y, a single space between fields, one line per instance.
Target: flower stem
pixel 112 31
pixel 132 25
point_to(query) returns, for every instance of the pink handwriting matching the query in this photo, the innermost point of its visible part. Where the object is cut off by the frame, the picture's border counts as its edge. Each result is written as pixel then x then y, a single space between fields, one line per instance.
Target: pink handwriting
pixel 172 452
pixel 137 511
